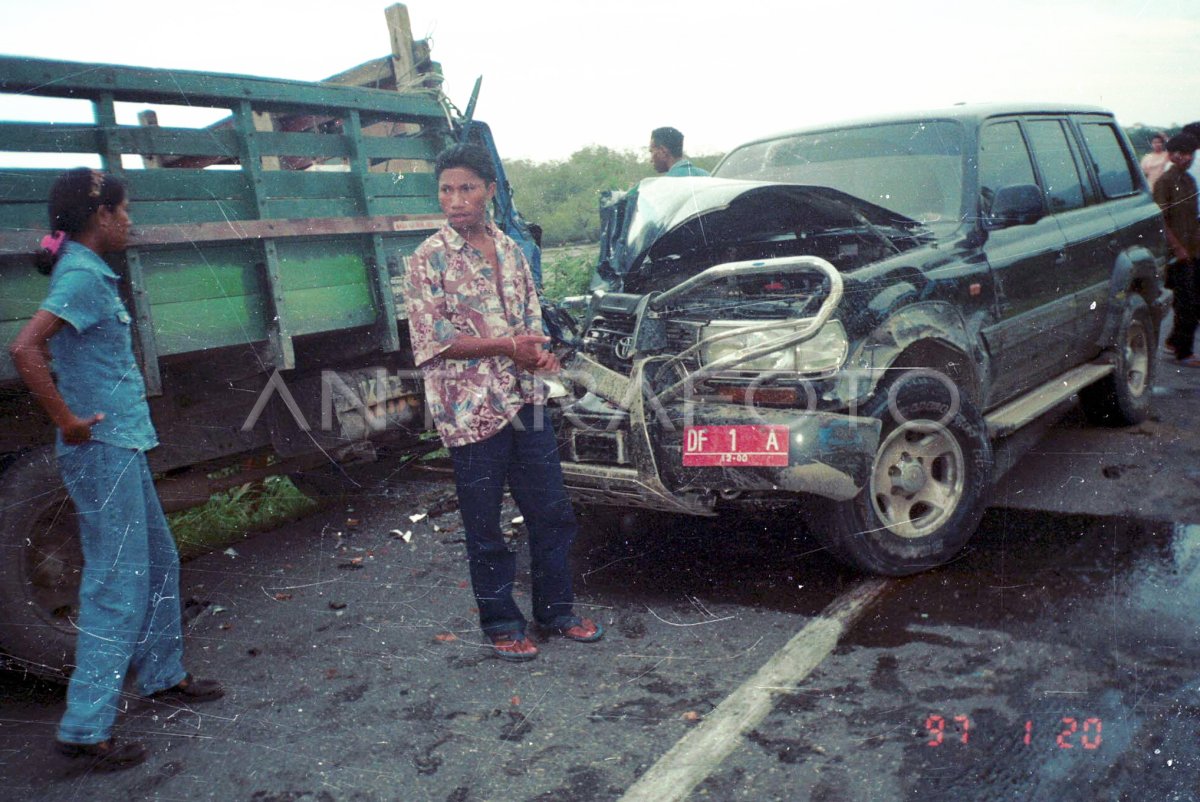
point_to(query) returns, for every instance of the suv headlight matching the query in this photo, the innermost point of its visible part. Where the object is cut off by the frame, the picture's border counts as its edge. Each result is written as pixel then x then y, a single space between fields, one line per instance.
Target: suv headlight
pixel 824 352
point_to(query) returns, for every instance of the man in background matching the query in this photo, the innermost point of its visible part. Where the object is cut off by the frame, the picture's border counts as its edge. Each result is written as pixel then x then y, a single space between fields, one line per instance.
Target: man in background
pixel 1175 193
pixel 666 153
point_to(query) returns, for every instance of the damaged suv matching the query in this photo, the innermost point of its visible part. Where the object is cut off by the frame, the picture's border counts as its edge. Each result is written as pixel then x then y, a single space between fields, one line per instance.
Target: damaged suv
pixel 844 320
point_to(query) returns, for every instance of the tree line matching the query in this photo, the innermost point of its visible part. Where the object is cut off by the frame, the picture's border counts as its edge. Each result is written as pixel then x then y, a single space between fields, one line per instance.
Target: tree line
pixel 563 196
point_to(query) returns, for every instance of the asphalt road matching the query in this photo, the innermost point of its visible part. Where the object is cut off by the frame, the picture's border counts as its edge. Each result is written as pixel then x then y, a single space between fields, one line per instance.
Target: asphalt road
pixel 1056 659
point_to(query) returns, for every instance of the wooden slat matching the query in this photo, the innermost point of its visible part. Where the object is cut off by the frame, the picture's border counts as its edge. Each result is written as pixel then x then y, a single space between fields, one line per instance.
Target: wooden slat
pixel 313 185
pixel 179 87
pixel 39 137
pixel 144 328
pixel 160 214
pixel 190 326
pixel 318 146
pixel 24 240
pixel 329 308
pixel 306 208
pixel 411 185
pixel 399 147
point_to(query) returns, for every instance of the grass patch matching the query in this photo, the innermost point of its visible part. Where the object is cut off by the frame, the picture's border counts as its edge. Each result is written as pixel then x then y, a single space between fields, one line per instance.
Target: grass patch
pixel 232 514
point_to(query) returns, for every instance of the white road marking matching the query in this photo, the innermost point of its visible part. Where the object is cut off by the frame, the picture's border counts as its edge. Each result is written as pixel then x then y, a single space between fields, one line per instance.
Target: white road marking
pixel 701 751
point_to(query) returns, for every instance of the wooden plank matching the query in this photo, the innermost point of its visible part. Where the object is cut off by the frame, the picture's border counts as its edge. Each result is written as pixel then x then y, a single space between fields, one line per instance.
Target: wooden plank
pixel 309 144
pixel 53 78
pixel 278 327
pixel 106 119
pixel 409 185
pixel 263 123
pixel 311 264
pixel 45 137
pixel 423 207
pixel 24 240
pixel 291 208
pixel 400 33
pixel 387 332
pixel 311 185
pixel 283 353
pixel 8 331
pixel 329 308
pixel 189 326
pixel 150 213
pixel 226 271
pixel 149 119
pixel 175 141
pixel 400 147
pixel 188 185
pixel 144 328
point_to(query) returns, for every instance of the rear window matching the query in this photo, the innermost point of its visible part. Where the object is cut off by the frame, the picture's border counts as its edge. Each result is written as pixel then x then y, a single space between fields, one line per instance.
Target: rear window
pixel 1109 160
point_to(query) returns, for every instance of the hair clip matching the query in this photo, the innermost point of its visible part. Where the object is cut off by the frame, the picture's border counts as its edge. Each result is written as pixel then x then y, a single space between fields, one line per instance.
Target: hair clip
pixel 97 183
pixel 53 242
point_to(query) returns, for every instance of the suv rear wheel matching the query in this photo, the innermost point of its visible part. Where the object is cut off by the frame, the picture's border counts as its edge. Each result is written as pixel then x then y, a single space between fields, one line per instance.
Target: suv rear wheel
pixel 928 482
pixel 1123 397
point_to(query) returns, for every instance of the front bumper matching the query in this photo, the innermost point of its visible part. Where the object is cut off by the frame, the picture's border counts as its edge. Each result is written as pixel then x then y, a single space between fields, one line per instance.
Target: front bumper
pixel 634 457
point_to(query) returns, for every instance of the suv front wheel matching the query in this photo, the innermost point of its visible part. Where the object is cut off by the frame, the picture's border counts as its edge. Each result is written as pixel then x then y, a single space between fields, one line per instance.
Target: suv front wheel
pixel 928 481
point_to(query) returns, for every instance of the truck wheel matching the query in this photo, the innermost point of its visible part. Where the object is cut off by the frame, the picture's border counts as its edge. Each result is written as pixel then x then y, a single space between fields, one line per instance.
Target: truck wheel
pixel 1123 397
pixel 41 567
pixel 928 483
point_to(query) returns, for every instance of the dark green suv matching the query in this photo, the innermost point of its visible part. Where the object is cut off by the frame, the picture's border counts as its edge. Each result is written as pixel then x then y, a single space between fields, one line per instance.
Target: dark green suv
pixel 845 319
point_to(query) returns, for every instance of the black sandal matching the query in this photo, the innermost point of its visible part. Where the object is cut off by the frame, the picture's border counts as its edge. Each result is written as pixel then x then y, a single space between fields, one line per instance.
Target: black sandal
pixel 190 689
pixel 106 755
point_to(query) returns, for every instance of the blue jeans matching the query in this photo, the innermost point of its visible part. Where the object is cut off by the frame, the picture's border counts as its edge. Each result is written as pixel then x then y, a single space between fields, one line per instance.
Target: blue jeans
pixel 525 454
pixel 129 612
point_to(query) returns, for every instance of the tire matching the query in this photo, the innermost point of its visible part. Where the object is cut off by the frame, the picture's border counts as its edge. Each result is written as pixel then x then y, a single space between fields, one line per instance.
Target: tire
pixel 41 567
pixel 928 483
pixel 1123 397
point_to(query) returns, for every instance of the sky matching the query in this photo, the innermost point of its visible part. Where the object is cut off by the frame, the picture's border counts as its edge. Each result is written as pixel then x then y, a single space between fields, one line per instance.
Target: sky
pixel 559 76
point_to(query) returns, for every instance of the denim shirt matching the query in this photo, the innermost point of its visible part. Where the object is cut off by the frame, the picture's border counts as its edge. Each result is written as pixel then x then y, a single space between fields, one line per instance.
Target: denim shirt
pixel 93 354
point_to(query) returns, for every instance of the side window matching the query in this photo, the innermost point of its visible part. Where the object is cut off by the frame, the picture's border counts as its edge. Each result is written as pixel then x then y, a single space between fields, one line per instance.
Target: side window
pixel 1109 160
pixel 1064 190
pixel 1003 161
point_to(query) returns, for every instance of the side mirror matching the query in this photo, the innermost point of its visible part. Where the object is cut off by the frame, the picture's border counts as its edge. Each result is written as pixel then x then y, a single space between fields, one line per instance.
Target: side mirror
pixel 1018 205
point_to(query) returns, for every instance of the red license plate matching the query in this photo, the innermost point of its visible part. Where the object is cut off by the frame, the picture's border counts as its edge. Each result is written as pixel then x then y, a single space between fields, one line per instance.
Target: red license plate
pixel 705 446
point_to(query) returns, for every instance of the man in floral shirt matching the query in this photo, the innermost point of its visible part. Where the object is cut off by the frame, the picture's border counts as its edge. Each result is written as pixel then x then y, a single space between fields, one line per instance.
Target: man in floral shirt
pixel 476 331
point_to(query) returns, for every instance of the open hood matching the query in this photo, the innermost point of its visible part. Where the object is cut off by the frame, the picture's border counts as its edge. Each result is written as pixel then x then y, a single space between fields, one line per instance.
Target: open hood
pixel 674 222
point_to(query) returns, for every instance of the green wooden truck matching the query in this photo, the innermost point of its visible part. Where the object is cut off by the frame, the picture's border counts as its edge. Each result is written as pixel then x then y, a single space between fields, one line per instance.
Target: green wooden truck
pixel 262 275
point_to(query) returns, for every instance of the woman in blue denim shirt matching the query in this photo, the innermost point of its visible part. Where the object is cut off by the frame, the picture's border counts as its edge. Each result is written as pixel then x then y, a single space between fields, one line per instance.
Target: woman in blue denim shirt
pixel 129 613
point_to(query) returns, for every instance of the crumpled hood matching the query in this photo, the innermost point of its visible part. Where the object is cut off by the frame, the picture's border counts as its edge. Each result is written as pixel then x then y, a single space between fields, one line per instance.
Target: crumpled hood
pixel 664 215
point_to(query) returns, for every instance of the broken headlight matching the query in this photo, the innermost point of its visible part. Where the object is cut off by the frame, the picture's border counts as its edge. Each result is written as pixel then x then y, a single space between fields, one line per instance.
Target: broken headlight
pixel 824 352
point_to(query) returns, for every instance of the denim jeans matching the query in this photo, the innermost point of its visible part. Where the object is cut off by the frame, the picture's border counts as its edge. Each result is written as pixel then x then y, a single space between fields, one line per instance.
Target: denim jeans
pixel 129 612
pixel 525 455
pixel 1186 305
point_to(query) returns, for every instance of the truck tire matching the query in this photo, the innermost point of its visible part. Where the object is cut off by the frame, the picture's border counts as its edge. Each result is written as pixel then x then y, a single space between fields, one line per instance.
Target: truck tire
pixel 928 482
pixel 1123 397
pixel 41 567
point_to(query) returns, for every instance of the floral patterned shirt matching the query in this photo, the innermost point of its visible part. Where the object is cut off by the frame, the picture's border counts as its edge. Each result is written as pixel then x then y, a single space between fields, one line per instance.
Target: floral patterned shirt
pixel 452 291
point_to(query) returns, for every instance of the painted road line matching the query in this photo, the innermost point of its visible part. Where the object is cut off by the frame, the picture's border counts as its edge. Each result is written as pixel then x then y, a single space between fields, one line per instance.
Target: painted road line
pixel 697 754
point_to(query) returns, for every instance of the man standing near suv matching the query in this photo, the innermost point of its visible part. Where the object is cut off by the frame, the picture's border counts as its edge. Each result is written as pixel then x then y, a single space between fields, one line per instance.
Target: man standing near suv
pixel 1175 193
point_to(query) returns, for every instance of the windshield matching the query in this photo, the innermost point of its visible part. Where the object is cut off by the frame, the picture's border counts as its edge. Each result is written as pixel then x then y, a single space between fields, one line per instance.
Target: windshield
pixel 912 168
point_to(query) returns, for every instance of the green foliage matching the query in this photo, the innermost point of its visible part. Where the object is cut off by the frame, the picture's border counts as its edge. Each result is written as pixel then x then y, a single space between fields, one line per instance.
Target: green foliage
pixel 563 196
pixel 229 516
pixel 567 271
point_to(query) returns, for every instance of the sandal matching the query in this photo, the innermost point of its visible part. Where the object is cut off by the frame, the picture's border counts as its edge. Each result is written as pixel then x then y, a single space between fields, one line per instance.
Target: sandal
pixel 106 755
pixel 190 689
pixel 583 630
pixel 513 647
